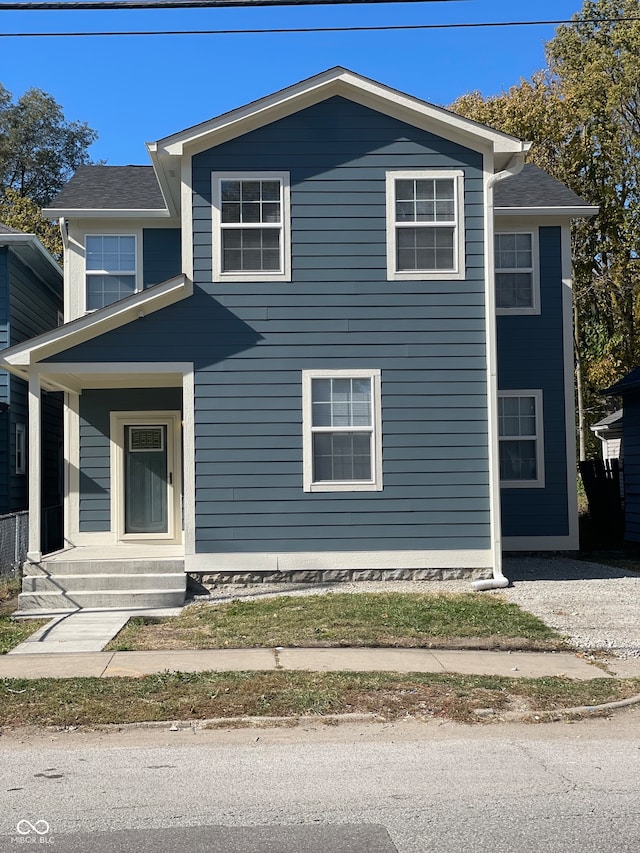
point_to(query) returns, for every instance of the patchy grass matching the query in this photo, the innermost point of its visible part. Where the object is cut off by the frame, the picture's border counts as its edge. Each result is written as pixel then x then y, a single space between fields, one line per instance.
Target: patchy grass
pixel 345 619
pixel 12 632
pixel 202 696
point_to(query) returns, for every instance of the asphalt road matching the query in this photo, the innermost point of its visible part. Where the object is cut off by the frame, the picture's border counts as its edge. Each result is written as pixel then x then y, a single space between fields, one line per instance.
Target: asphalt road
pixel 414 788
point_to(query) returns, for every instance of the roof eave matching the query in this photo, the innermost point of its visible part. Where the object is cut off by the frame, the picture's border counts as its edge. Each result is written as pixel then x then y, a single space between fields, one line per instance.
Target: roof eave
pixel 578 212
pixel 106 213
pixel 30 250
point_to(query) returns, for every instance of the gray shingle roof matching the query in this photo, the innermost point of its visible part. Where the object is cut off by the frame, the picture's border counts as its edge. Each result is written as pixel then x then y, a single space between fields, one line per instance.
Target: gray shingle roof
pixel 534 188
pixel 5 229
pixel 111 188
pixel 136 188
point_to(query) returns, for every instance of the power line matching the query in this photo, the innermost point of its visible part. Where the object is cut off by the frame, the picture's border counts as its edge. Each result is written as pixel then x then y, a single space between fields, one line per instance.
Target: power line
pixel 281 30
pixel 123 5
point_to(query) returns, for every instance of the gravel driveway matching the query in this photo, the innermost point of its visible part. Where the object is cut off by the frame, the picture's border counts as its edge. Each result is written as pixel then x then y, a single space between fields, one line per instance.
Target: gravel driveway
pixel 596 606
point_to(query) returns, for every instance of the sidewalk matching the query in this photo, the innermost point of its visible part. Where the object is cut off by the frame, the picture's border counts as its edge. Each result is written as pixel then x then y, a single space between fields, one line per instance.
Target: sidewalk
pixel 134 664
pixel 71 646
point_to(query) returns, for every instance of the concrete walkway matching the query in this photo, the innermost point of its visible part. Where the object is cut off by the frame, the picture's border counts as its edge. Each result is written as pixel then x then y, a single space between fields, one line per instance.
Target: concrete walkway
pixel 134 664
pixel 82 631
pixel 71 646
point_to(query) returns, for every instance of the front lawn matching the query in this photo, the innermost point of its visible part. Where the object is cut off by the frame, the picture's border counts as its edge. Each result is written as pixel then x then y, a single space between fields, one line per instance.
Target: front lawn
pixel 404 620
pixel 13 632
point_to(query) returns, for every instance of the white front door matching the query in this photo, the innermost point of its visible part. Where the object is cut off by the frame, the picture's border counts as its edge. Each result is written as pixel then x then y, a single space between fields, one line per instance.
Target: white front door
pixel 146 475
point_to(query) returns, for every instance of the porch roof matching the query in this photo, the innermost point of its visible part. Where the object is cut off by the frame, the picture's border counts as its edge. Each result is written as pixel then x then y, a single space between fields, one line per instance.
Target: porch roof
pixel 19 358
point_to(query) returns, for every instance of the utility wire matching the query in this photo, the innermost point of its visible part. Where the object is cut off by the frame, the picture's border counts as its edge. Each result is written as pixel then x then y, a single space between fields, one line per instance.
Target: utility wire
pixel 99 5
pixel 280 30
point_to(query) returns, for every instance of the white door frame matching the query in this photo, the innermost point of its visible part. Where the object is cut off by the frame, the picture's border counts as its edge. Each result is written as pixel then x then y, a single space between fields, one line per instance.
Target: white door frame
pixel 173 421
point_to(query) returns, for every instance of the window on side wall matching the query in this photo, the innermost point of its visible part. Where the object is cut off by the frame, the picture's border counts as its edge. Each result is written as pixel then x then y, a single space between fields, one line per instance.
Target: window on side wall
pixel 111 268
pixel 425 225
pixel 251 230
pixel 516 272
pixel 521 439
pixel 21 449
pixel 342 426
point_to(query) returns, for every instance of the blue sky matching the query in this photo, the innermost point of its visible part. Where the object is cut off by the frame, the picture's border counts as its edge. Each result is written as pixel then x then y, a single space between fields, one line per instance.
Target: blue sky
pixel 135 89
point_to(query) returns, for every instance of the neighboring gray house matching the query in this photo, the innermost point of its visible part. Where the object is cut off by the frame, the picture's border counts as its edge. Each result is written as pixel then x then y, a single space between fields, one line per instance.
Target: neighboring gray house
pixel 326 333
pixel 30 303
pixel 609 430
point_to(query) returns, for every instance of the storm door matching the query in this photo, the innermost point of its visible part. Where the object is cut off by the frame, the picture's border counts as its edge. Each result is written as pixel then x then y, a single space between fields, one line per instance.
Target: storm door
pixel 146 479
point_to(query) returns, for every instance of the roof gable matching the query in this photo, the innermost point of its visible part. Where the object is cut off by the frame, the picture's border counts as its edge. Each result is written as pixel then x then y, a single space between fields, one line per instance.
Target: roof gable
pixel 335 81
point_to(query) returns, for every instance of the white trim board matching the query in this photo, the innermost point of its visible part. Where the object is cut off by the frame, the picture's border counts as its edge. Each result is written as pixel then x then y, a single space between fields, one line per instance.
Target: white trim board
pixel 339 560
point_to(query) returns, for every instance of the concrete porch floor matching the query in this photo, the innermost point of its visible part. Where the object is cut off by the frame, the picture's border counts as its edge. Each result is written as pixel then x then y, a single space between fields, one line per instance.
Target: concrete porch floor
pixel 115 551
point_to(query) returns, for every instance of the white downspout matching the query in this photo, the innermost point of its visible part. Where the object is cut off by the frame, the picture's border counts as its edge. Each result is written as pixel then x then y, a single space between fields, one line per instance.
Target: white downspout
pixel 498 581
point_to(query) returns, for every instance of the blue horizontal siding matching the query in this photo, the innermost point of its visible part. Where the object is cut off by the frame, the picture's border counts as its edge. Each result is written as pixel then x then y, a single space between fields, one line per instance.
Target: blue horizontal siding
pixel 530 356
pixel 161 254
pixel 250 341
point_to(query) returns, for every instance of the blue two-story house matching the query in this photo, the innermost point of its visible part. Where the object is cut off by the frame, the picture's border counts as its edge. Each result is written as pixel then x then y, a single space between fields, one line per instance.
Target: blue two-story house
pixel 325 335
pixel 30 303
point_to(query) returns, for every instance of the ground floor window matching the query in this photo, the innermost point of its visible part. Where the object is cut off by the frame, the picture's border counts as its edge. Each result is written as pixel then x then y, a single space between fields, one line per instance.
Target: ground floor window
pixel 342 427
pixel 521 441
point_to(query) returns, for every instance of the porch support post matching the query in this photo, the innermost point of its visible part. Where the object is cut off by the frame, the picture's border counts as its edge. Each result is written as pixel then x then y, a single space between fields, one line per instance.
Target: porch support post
pixel 34 553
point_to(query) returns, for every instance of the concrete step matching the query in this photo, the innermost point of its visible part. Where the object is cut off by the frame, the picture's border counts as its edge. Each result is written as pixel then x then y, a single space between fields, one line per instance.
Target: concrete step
pixel 32 602
pixel 105 567
pixel 105 582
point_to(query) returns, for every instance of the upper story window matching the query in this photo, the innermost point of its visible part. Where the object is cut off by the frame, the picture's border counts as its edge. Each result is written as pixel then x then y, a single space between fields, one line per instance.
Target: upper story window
pixel 111 268
pixel 517 282
pixel 342 426
pixel 521 439
pixel 425 225
pixel 251 227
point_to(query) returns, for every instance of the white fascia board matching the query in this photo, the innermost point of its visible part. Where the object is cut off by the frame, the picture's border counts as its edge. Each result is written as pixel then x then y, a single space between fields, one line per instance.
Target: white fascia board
pixel 95 324
pixel 168 177
pixel 336 81
pixel 567 212
pixel 106 213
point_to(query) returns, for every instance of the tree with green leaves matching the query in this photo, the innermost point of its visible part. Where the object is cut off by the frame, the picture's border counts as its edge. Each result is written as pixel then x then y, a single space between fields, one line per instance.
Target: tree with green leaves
pixel 582 114
pixel 39 151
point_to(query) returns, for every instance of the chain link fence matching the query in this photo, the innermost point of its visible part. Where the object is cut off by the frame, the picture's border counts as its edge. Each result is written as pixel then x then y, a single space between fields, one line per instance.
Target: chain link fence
pixel 14 539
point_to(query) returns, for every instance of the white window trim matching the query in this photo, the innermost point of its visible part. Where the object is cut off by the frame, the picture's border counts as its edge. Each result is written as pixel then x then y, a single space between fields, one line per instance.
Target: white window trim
pixel 20 457
pixel 373 485
pixel 535 279
pixel 137 236
pixel 284 273
pixel 538 483
pixel 458 272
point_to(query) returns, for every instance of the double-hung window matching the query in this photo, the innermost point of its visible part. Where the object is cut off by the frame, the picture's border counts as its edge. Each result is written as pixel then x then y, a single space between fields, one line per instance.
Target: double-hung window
pixel 251 226
pixel 342 426
pixel 425 225
pixel 517 284
pixel 111 268
pixel 521 438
